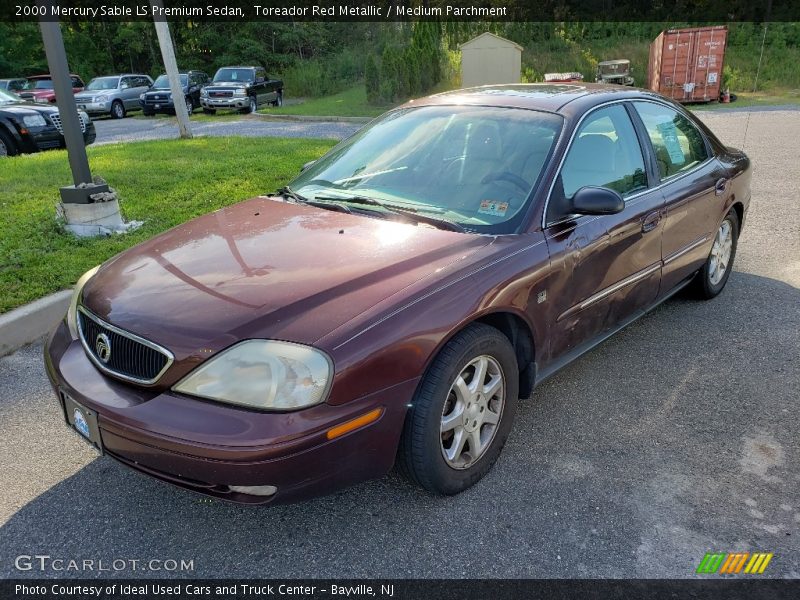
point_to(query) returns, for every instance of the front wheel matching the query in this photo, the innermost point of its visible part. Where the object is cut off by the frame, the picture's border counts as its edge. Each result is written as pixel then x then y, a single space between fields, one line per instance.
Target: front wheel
pixel 253 105
pixel 117 110
pixel 711 279
pixel 462 412
pixel 189 106
pixel 209 111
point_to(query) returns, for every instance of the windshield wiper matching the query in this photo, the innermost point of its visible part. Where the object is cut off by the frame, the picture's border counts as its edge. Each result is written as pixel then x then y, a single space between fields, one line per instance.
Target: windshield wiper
pixel 288 192
pixel 410 214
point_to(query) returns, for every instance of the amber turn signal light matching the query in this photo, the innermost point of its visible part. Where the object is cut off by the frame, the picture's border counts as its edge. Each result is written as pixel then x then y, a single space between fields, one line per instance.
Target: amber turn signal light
pixel 354 424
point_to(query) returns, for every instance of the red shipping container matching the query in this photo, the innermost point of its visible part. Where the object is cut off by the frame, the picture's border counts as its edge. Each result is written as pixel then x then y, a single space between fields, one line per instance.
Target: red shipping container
pixel 686 64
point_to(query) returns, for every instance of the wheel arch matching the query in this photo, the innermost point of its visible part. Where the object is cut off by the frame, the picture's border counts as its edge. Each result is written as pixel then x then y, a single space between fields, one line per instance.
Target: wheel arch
pixel 519 333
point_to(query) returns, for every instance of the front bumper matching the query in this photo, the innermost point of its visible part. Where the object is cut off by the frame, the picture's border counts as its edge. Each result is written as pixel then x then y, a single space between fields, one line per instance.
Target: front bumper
pixel 94 108
pixel 38 139
pixel 150 105
pixel 207 447
pixel 232 102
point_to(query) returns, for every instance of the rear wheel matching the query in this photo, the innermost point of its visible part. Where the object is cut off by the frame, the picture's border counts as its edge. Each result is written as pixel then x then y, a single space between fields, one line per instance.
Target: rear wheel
pixel 278 100
pixel 462 412
pixel 711 279
pixel 7 145
pixel 117 109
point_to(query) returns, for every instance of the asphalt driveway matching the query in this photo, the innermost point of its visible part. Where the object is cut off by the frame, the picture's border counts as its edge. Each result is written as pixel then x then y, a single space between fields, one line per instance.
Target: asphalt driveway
pixel 676 437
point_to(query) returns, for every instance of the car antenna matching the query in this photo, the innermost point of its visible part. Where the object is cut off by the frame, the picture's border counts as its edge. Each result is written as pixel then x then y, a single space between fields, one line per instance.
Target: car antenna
pixel 755 84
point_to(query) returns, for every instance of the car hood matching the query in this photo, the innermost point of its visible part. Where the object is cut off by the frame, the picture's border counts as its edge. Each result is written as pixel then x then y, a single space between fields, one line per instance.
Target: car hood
pixel 37 93
pixel 266 268
pixel 227 84
pixel 28 108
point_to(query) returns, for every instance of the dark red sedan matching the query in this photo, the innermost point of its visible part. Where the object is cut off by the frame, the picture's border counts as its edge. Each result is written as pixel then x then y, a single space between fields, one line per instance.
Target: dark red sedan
pixel 394 302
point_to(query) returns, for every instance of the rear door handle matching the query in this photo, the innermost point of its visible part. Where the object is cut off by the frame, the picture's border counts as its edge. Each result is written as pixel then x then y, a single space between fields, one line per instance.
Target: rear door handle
pixel 651 221
pixel 720 186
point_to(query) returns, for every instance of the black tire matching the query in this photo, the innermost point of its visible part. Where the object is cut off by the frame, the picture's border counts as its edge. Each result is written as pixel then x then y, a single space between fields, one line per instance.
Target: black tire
pixel 704 285
pixel 253 105
pixel 189 106
pixel 8 147
pixel 278 99
pixel 117 110
pixel 148 113
pixel 209 111
pixel 421 452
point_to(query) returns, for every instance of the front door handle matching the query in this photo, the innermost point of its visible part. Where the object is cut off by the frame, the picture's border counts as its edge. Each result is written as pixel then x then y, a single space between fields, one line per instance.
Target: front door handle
pixel 720 186
pixel 651 221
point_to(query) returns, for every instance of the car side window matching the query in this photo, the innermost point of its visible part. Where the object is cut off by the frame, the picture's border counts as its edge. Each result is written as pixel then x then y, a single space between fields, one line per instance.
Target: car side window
pixel 677 143
pixel 605 153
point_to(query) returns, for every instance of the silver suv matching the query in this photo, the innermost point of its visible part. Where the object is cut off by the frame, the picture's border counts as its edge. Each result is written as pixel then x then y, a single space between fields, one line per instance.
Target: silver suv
pixel 113 95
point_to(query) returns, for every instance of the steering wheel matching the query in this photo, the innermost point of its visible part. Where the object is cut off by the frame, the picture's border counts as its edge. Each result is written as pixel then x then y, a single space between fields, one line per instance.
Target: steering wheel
pixel 510 177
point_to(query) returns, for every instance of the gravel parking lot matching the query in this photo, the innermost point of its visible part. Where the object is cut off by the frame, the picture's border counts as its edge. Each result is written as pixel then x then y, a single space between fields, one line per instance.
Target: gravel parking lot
pixel 676 437
pixel 110 131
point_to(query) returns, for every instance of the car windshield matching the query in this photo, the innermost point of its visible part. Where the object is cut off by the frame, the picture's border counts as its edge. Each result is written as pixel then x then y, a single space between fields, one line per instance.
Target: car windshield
pixel 39 84
pixel 7 97
pixel 234 75
pixel 103 83
pixel 162 83
pixel 472 165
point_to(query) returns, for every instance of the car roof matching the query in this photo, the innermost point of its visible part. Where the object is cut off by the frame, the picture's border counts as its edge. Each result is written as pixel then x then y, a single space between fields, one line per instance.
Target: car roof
pixel 48 76
pixel 552 97
pixel 239 67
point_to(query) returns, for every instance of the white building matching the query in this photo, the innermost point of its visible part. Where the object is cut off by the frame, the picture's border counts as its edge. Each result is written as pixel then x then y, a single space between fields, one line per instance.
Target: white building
pixel 488 59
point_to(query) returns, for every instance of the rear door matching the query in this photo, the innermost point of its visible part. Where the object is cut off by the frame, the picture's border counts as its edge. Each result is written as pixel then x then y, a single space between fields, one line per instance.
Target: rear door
pixel 692 181
pixel 609 266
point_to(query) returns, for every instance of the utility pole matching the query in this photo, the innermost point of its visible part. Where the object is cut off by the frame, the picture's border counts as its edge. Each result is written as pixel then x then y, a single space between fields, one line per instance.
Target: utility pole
pixel 88 208
pixel 168 54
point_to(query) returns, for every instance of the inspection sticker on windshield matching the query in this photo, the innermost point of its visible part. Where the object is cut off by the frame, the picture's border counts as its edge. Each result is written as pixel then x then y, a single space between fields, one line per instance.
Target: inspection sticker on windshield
pixel 494 208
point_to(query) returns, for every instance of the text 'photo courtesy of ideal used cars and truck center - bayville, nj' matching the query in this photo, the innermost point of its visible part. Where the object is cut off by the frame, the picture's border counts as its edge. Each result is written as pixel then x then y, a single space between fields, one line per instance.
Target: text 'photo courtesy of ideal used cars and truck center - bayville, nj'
pixel 518 281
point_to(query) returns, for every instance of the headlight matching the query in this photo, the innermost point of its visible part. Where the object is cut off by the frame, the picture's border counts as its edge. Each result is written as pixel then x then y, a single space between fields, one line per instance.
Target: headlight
pixel 34 120
pixel 72 311
pixel 263 374
pixel 141 97
pixel 204 92
pixel 240 92
pixel 101 99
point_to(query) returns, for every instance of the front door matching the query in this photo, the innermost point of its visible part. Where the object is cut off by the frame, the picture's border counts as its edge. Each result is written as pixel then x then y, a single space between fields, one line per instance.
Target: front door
pixel 607 267
pixel 692 183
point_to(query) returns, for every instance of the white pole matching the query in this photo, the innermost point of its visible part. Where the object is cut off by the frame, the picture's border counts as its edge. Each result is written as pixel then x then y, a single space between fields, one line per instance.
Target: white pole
pixel 168 54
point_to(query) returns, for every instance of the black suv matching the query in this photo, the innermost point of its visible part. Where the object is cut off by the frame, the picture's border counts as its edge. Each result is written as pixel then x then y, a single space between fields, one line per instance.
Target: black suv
pixel 243 88
pixel 158 99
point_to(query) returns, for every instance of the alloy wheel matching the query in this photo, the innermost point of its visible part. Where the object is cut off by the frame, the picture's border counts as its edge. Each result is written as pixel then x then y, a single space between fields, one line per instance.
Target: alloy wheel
pixel 472 412
pixel 721 253
pixel 253 105
pixel 3 148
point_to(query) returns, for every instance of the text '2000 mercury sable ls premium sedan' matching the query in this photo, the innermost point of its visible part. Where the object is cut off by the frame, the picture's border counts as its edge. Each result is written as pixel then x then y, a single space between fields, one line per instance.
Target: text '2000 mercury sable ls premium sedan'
pixel 403 292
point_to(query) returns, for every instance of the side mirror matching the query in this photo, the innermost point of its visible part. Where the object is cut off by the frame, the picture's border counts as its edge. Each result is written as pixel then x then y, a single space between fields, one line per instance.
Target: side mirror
pixel 591 200
pixel 123 86
pixel 308 164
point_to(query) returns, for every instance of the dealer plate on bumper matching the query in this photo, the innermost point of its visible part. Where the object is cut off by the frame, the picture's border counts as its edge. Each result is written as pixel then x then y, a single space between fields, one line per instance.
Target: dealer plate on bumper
pixel 82 420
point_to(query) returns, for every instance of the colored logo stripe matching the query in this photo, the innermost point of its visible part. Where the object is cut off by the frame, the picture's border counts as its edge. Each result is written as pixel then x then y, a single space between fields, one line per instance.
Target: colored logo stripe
pixel 758 563
pixel 732 563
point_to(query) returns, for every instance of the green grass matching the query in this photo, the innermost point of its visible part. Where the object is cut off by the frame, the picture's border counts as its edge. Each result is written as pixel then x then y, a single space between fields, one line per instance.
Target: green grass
pixel 748 99
pixel 162 183
pixel 349 103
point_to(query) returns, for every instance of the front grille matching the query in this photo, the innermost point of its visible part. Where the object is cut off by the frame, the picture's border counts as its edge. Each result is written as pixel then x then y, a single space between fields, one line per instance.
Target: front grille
pixel 130 357
pixel 56 119
pixel 220 94
pixel 161 99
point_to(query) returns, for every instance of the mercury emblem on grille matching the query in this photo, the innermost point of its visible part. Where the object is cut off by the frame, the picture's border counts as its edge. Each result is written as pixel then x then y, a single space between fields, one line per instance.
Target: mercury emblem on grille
pixel 102 346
